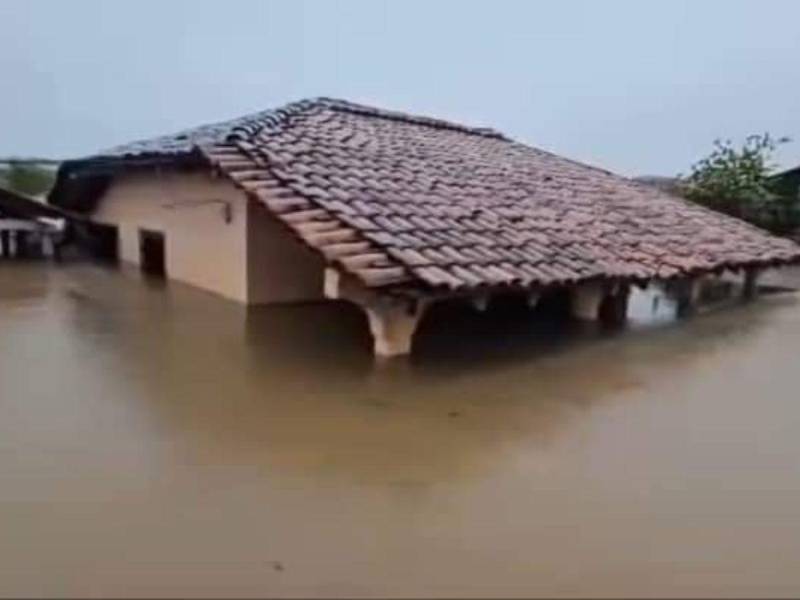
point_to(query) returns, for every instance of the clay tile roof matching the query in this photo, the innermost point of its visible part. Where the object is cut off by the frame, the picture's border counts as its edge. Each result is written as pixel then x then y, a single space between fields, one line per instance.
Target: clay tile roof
pixel 397 199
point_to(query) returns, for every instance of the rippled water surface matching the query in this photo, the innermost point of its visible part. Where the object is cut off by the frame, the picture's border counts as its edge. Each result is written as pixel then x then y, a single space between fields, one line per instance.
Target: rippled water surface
pixel 157 441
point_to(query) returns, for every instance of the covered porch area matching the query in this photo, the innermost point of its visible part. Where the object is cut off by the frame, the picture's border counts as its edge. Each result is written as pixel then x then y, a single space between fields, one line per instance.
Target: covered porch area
pixel 395 318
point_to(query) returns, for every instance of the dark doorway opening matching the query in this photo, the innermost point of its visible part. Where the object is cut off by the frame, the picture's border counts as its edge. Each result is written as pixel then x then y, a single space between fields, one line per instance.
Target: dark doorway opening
pixel 5 242
pixel 152 256
pixel 104 242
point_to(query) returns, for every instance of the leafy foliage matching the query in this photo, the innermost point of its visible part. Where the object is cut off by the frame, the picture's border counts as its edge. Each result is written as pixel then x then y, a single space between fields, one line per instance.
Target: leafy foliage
pixel 738 181
pixel 27 179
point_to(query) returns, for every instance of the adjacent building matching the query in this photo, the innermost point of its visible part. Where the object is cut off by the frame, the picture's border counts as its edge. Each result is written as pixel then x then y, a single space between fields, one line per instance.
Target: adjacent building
pixel 787 183
pixel 787 186
pixel 28 227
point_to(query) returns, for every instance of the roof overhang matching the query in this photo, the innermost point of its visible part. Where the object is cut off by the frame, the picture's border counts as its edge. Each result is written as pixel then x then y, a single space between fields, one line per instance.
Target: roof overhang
pixel 80 183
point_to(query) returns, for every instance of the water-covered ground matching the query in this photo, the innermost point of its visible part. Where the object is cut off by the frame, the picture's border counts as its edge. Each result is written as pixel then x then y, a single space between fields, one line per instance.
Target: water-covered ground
pixel 157 441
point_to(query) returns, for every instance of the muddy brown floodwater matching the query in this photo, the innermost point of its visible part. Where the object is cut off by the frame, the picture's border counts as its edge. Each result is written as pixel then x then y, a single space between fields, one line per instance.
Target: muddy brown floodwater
pixel 157 441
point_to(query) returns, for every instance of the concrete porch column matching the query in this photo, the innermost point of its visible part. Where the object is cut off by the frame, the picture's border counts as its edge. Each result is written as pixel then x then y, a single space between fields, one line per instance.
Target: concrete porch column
pixel 532 299
pixel 393 326
pixel 689 296
pixel 601 301
pixel 750 287
pixel 48 246
pixel 392 321
pixel 585 300
pixel 614 309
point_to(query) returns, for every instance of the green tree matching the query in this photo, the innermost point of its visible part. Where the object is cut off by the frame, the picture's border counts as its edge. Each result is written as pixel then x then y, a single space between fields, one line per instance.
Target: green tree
pixel 28 179
pixel 737 181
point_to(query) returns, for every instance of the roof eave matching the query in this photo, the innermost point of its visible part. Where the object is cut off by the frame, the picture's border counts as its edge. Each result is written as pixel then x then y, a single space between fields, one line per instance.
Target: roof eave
pixel 81 182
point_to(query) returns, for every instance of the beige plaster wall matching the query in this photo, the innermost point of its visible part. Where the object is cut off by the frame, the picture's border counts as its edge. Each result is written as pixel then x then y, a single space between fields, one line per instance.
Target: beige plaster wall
pixel 280 267
pixel 201 248
pixel 252 259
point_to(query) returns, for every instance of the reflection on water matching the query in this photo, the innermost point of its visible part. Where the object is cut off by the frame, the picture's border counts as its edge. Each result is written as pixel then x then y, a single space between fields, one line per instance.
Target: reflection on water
pixel 155 440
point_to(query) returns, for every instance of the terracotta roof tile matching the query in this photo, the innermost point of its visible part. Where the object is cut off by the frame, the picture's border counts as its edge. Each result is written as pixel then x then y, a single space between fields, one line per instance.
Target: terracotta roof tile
pixel 443 205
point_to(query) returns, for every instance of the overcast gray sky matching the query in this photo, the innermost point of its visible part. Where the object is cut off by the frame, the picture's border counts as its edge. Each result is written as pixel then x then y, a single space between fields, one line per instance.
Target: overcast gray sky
pixel 635 86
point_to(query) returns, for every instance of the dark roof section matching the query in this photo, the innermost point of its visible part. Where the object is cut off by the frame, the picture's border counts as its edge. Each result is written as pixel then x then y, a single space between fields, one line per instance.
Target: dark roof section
pixel 184 142
pixel 787 183
pixel 14 205
pixel 402 200
pixel 792 171
pixel 80 182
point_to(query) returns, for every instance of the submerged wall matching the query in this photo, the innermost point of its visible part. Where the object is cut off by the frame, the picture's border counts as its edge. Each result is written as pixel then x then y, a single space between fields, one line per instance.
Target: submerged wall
pixel 279 267
pixel 215 238
pixel 201 248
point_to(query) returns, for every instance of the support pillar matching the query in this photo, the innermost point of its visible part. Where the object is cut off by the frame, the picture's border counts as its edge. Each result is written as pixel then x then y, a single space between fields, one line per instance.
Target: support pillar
pixel 688 295
pixel 393 325
pixel 480 303
pixel 532 299
pixel 392 321
pixel 585 301
pixel 750 288
pixel 48 247
pixel 614 309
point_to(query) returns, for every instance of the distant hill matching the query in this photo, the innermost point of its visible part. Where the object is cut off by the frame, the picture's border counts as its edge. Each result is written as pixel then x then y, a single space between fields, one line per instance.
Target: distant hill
pixel 29 160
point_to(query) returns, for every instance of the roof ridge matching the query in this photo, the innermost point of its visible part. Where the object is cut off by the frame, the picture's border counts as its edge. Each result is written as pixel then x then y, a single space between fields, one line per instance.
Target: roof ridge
pixel 247 126
pixel 274 118
pixel 218 131
pixel 403 117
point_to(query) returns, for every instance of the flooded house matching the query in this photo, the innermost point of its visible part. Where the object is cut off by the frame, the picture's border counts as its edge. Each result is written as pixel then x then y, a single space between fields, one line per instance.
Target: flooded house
pixel 327 199
pixel 29 228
